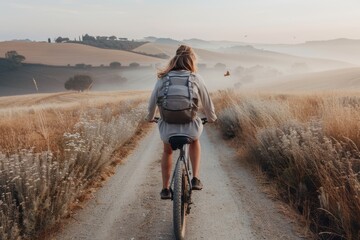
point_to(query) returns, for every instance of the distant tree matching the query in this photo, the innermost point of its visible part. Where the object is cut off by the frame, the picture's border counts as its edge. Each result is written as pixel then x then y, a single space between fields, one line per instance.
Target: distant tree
pixel 134 65
pixel 79 83
pixel 101 38
pixel 87 37
pixel 80 65
pixel 14 59
pixel 220 66
pixel 61 39
pixel 83 66
pixel 49 40
pixel 115 65
pixel 112 38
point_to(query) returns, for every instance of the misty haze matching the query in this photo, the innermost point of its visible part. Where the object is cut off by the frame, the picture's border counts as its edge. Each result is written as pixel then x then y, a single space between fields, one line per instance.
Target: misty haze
pixel 80 158
pixel 253 66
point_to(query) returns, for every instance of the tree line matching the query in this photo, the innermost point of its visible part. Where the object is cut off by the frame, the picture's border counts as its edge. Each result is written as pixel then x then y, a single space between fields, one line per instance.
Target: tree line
pixel 12 60
pixel 87 37
pixel 107 42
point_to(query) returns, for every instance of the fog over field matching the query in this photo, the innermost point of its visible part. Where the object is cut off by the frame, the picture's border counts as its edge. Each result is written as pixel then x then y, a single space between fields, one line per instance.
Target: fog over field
pixel 250 66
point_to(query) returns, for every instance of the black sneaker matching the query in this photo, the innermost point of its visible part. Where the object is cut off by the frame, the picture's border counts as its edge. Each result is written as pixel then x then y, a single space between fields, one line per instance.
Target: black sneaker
pixel 196 184
pixel 165 193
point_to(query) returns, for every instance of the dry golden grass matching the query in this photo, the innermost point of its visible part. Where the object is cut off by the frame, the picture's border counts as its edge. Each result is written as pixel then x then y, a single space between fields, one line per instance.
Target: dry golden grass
pixel 155 48
pixel 309 144
pixel 57 148
pixel 343 79
pixel 72 53
pixel 39 121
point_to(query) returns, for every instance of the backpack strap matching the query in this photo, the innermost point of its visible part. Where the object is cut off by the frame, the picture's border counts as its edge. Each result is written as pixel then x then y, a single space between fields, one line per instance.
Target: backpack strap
pixel 190 88
pixel 167 84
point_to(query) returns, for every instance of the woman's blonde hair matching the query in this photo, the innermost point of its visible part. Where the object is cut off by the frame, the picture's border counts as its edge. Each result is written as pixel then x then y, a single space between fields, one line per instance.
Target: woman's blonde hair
pixel 185 59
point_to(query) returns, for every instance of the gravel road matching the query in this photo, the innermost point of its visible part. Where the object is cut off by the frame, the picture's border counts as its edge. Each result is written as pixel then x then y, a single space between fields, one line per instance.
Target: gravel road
pixel 230 206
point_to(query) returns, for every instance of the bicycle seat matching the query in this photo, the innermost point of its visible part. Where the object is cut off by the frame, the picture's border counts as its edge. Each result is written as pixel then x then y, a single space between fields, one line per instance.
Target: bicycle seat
pixel 177 142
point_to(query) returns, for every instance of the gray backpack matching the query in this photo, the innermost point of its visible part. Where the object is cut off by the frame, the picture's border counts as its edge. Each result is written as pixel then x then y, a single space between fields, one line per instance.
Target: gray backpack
pixel 177 101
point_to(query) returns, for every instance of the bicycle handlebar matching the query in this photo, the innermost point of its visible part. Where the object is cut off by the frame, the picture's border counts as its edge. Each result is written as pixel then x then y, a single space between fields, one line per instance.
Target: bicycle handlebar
pixel 203 120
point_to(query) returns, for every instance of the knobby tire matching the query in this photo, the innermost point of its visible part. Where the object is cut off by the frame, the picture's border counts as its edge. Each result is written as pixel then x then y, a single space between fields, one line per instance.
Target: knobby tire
pixel 179 205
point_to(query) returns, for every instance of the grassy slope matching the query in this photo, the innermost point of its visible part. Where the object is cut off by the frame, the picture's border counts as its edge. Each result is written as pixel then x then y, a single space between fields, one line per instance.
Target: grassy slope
pixel 308 144
pixel 64 98
pixel 71 53
pixel 58 147
pixel 334 80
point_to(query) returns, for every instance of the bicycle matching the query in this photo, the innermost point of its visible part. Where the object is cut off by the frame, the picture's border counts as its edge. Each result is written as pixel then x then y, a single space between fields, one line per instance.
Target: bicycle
pixel 181 182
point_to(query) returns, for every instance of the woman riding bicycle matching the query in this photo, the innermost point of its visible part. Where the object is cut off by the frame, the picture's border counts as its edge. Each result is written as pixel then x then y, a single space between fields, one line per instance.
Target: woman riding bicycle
pixel 180 69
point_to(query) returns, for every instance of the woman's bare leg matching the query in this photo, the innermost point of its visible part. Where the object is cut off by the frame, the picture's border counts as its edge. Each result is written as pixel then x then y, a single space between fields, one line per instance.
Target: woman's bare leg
pixel 195 155
pixel 166 162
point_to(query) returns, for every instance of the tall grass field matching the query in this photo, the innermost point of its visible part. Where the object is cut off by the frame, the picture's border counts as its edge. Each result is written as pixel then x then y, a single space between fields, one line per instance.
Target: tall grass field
pixel 309 145
pixel 55 147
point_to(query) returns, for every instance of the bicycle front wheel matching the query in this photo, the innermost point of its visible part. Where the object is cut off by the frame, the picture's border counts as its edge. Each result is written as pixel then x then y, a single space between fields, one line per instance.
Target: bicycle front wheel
pixel 179 203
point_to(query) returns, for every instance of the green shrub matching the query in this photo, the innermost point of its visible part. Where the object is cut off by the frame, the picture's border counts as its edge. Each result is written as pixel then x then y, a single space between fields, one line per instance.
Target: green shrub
pixel 134 65
pixel 79 83
pixel 115 65
pixel 14 59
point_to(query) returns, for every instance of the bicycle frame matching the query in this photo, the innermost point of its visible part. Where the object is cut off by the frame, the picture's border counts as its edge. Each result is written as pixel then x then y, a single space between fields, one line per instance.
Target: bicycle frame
pixel 180 188
pixel 184 156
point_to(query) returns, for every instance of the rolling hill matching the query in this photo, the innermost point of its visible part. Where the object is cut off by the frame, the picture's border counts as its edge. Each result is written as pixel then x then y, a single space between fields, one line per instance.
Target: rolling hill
pixel 347 79
pixel 342 49
pixel 62 54
pixel 65 99
pixel 55 57
pixel 247 57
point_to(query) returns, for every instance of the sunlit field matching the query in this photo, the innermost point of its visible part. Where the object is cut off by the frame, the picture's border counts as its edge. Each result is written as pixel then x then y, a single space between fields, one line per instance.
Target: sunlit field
pixel 309 146
pixel 53 147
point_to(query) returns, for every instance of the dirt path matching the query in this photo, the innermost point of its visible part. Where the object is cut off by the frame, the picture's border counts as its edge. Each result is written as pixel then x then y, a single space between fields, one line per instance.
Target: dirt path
pixel 230 206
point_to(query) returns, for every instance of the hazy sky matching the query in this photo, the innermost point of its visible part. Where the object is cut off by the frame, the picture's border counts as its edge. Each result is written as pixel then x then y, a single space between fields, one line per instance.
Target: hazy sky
pixel 272 21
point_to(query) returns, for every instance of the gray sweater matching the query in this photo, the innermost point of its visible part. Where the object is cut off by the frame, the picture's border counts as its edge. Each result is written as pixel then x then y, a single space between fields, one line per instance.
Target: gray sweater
pixel 192 129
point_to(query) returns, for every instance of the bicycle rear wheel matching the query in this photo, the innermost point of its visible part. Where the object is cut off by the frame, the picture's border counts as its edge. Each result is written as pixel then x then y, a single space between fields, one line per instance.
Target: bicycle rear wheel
pixel 179 201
